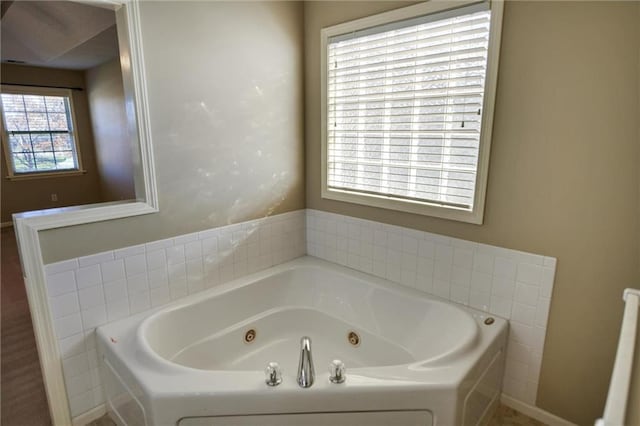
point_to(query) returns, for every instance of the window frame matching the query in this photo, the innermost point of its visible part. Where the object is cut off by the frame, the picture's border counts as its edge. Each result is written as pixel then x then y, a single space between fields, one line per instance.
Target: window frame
pixel 40 91
pixel 474 215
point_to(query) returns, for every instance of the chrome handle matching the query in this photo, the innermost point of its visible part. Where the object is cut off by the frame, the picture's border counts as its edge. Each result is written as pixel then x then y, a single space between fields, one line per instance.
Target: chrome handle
pixel 273 374
pixel 337 371
pixel 306 373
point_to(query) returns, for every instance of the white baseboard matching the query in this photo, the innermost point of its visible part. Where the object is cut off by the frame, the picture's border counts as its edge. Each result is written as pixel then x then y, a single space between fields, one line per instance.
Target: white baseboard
pixel 534 412
pixel 91 415
pixel 6 224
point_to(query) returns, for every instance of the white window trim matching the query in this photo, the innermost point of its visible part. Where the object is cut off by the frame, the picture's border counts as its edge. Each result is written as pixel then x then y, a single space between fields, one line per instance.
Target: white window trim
pixel 41 91
pixel 475 215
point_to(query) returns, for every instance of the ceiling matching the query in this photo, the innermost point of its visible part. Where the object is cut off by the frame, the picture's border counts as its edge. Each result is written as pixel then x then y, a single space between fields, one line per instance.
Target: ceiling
pixel 57 34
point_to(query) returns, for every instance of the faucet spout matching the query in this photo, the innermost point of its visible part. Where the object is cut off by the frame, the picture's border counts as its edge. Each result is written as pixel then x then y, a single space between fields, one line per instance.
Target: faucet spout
pixel 306 373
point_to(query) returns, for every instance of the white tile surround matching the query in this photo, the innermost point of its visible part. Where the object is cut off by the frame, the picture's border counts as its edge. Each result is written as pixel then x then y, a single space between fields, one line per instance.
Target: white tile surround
pixel 507 283
pixel 87 292
pixel 90 291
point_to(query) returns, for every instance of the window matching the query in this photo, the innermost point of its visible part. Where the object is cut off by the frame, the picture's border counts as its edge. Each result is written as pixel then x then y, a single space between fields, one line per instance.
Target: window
pixel 408 109
pixel 38 131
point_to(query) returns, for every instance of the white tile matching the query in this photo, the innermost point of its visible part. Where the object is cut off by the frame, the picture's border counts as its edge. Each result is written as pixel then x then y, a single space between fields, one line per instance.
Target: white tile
pixel 408 277
pixel 209 246
pixel 94 317
pixel 183 239
pixel 394 241
pixel 542 311
pixel 195 274
pixel 72 345
pixel 459 294
pixel 425 267
pixel 409 262
pixel 505 268
pixel 98 396
pixel 523 313
pixel 90 339
pixel 409 244
pixel 117 309
pixel 78 384
pixel 193 250
pixel 426 249
pixel 463 258
pixel 129 251
pixel 137 283
pixel 81 403
pixel 66 265
pixel 380 238
pixel 516 370
pixel 500 306
pixel 64 305
pixel 530 393
pixel 175 254
pixel 158 277
pixel 483 262
pixel 158 245
pixel 479 300
pixel 513 388
pixel 538 335
pixel 535 365
pixel 156 259
pixel 95 259
pixel 160 296
pixel 424 283
pixel 91 297
pixel 134 265
pixel 521 333
pixel 112 271
pixel 75 365
pixel 527 294
pixel 61 283
pixel 177 273
pixel 546 281
pixel 481 281
pixel 441 288
pixel 139 302
pixel 530 274
pixel 179 290
pixel 518 352
pixel 549 262
pixel 442 270
pixel 444 254
pixel 68 326
pixel 89 276
pixel 503 287
pixel 461 276
pixel 115 290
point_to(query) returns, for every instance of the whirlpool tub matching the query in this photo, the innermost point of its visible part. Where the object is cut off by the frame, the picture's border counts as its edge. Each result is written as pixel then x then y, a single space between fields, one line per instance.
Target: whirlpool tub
pixel 410 358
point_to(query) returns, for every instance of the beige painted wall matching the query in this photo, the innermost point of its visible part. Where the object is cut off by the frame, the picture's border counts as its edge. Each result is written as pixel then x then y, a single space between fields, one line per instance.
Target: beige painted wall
pixel 564 176
pixel 225 84
pixel 105 93
pixel 35 194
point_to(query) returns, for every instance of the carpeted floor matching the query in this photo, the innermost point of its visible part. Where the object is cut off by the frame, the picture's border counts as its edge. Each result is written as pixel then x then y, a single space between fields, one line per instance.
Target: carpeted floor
pixel 23 399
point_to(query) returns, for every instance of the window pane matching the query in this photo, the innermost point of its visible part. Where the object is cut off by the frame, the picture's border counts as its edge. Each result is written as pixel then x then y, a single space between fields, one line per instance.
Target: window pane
pixel 45 161
pixel 19 143
pixel 38 121
pixel 42 142
pixel 16 121
pixel 62 142
pixel 55 104
pixel 24 163
pixel 58 121
pixel 65 160
pixel 34 103
pixel 12 102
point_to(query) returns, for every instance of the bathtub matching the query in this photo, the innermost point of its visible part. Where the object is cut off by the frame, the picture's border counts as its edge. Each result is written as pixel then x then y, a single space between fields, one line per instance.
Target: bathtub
pixel 415 360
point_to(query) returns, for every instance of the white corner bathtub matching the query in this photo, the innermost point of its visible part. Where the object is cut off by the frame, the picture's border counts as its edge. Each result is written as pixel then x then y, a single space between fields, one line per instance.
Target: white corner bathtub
pixel 419 361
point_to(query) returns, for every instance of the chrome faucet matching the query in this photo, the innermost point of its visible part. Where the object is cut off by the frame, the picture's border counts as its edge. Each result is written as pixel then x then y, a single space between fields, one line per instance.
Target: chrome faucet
pixel 306 374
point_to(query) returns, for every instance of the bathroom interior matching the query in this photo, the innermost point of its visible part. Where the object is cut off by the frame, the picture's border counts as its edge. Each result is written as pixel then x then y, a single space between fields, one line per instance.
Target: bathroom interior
pixel 226 210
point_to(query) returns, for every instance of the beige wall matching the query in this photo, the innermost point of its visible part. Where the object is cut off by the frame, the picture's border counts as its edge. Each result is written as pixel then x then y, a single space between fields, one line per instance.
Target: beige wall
pixel 563 177
pixel 35 194
pixel 105 92
pixel 226 109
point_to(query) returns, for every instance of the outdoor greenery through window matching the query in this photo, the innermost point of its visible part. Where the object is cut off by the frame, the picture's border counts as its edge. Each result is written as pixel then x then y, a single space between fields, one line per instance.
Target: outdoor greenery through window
pixel 404 108
pixel 39 132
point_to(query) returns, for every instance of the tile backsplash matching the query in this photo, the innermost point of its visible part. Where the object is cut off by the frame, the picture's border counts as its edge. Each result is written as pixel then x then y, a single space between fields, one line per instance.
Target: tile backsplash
pixel 507 283
pixel 89 291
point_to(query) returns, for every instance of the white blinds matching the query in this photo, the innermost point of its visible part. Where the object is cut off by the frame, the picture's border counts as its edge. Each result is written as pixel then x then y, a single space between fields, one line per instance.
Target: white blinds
pixel 404 107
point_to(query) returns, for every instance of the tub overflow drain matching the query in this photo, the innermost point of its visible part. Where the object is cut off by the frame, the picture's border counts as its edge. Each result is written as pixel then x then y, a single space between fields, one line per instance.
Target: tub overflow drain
pixel 489 321
pixel 250 336
pixel 353 338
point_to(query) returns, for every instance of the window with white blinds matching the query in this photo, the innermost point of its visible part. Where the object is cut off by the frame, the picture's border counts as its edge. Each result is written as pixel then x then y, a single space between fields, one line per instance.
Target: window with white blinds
pixel 404 108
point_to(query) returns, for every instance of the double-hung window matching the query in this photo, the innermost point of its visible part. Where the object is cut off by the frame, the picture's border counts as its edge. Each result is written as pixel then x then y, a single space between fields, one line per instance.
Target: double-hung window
pixel 408 108
pixel 38 131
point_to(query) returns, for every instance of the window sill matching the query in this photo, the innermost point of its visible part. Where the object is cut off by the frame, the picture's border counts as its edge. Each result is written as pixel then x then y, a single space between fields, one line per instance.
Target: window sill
pixel 46 175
